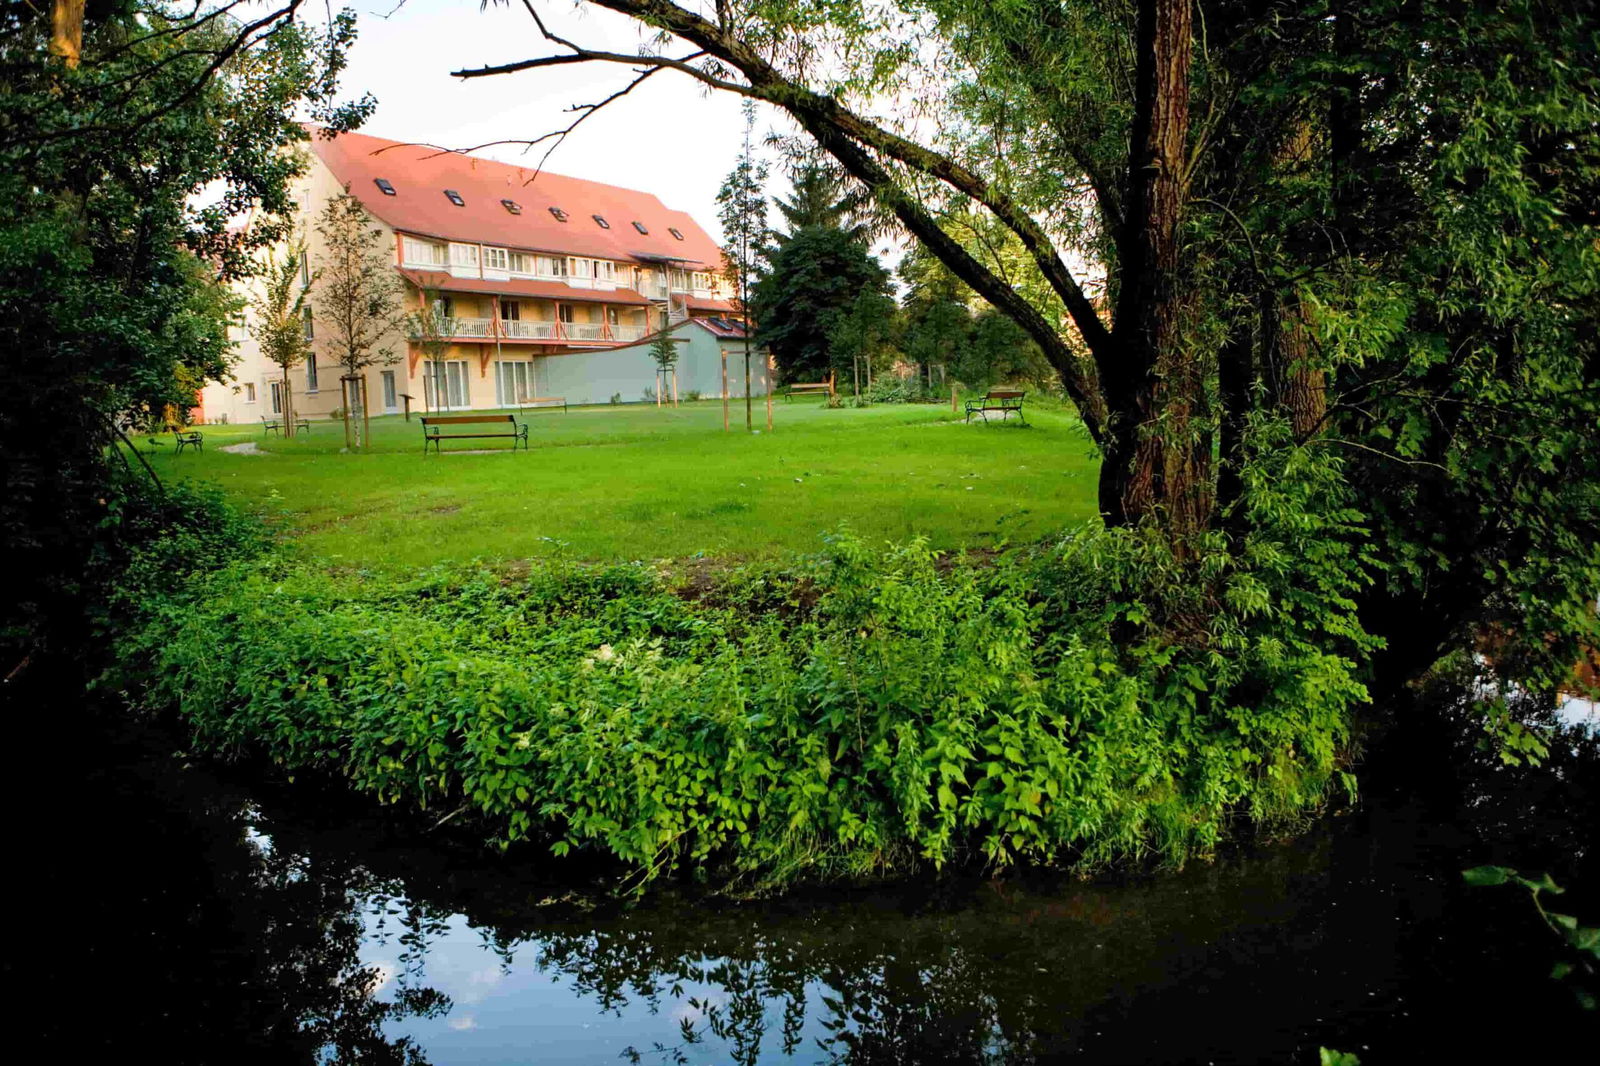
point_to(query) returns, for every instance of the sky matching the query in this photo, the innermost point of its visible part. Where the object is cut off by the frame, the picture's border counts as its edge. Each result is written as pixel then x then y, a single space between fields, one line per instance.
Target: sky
pixel 669 137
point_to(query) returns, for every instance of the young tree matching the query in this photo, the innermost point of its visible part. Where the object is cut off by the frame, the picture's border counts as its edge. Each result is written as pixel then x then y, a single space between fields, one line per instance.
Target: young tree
pixel 431 327
pixel 864 335
pixel 357 300
pixel 278 326
pixel 664 353
pixel 742 208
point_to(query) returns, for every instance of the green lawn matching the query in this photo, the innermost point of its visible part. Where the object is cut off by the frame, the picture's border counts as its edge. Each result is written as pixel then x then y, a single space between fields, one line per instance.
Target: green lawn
pixel 637 482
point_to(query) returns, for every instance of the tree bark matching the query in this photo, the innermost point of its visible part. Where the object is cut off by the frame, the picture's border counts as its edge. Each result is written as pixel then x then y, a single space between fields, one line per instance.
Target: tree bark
pixel 1155 467
pixel 66 31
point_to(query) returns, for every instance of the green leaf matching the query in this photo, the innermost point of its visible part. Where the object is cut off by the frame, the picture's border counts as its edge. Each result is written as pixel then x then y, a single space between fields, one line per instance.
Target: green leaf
pixel 1479 876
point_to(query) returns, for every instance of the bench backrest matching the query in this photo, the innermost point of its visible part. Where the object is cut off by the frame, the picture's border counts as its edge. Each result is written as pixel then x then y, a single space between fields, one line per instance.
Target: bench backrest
pixel 457 420
pixel 1005 394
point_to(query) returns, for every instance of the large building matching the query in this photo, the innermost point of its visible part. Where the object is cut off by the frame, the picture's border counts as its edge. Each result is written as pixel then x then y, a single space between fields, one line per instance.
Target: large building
pixel 550 284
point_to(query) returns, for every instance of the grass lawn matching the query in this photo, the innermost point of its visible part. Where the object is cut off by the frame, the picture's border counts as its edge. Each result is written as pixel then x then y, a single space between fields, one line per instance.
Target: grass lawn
pixel 637 482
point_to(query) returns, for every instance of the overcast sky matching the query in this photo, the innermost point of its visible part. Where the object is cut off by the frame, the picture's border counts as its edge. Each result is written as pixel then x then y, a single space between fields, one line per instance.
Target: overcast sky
pixel 668 137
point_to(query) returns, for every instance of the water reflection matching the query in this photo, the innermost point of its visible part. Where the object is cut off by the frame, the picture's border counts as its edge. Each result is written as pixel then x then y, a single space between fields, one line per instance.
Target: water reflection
pixel 226 925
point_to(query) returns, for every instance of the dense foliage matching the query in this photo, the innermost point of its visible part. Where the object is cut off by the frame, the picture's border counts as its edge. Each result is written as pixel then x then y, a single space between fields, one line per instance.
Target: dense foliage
pixel 866 711
pixel 812 284
pixel 1375 219
pixel 120 179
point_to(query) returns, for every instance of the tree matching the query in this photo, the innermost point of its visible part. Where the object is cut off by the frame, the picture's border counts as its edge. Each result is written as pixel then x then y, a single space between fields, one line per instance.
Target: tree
pixel 431 327
pixel 824 195
pixel 128 152
pixel 278 326
pixel 1373 223
pixel 742 208
pixel 814 280
pixel 664 353
pixel 357 300
pixel 865 335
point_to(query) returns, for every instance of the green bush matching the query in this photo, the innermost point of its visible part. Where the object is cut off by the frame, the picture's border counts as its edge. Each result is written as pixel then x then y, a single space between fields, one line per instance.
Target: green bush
pixel 864 711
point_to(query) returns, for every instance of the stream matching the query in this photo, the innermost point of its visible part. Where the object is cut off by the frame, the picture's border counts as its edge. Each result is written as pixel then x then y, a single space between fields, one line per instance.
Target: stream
pixel 191 908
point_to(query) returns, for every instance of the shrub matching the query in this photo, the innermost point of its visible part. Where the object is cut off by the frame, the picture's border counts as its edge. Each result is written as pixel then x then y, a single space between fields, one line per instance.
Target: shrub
pixel 864 711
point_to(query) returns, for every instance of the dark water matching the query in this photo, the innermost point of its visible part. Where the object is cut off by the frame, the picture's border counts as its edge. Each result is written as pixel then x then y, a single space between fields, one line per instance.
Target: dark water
pixel 172 910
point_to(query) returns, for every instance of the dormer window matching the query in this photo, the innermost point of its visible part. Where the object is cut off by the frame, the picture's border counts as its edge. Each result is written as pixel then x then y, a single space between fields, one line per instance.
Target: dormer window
pixel 561 216
pixel 455 198
pixel 512 206
pixel 640 227
pixel 675 232
pixel 601 222
pixel 384 186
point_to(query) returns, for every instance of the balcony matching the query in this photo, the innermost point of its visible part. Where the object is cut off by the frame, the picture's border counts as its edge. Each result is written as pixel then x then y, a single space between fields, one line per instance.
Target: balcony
pixel 536 330
pixel 529 331
pixel 584 331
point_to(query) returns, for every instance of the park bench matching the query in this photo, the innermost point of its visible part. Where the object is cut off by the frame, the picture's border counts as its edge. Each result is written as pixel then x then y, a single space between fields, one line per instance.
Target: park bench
pixel 433 432
pixel 1005 401
pixel 807 388
pixel 186 438
pixel 525 402
pixel 275 425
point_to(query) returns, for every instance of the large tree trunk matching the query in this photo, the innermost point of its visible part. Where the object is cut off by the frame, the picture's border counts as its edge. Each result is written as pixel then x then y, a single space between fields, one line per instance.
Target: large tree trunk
pixel 1157 465
pixel 1300 387
pixel 66 31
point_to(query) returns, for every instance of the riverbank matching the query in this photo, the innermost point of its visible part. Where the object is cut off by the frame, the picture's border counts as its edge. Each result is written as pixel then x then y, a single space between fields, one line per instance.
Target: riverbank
pixel 291 924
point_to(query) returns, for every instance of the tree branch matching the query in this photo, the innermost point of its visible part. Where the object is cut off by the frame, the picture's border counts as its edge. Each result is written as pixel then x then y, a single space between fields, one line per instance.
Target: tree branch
pixel 814 111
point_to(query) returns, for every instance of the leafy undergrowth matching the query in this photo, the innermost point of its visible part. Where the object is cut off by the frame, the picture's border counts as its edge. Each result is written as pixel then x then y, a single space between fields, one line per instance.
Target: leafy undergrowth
pixel 861 712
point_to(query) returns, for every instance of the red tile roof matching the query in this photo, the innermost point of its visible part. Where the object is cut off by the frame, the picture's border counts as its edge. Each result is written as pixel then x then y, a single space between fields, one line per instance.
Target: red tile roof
pixel 421 175
pixel 532 290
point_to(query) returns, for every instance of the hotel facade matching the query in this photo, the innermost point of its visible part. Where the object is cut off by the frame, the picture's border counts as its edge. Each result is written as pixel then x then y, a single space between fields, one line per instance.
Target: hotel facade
pixel 550 285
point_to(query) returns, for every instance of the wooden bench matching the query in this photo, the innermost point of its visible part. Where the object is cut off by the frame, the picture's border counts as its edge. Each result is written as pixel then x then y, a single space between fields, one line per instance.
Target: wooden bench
pixel 186 438
pixel 275 425
pixel 807 388
pixel 525 402
pixel 431 431
pixel 1006 401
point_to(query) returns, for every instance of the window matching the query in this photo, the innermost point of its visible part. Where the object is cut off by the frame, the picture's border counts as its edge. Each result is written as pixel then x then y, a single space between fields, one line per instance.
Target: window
pixel 444 384
pixel 513 382
pixel 455 198
pixel 424 253
pixel 701 280
pixel 675 232
pixel 249 392
pixel 550 266
pixel 564 312
pixel 510 311
pixel 383 184
pixel 602 223
pixel 311 374
pixel 496 259
pixel 512 206
pixel 305 317
pixel 463 255
pixel 561 216
pixel 391 401
pixel 605 270
pixel 305 271
pixel 521 263
pixel 277 396
pixel 640 227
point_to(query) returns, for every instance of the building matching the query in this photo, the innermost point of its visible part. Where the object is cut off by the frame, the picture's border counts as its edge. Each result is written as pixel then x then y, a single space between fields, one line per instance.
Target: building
pixel 550 284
